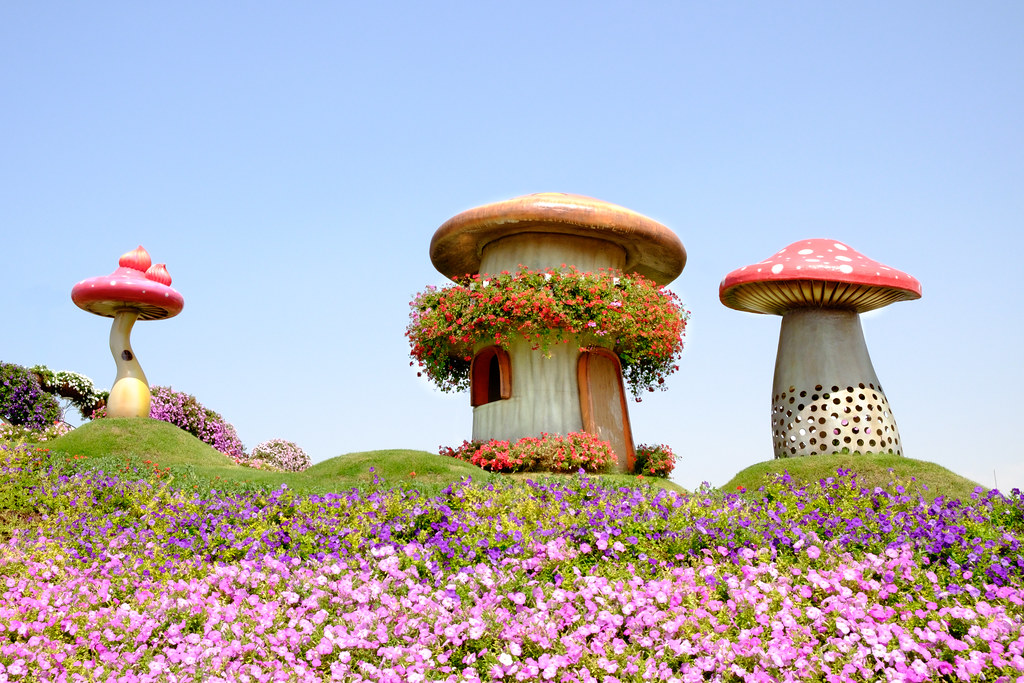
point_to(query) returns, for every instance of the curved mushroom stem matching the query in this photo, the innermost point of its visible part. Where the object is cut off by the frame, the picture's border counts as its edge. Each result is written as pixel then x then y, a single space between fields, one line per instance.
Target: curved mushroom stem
pixel 826 397
pixel 129 397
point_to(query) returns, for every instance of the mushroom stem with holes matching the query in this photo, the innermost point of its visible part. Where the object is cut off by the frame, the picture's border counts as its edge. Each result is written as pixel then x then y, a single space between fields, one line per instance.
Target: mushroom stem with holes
pixel 137 290
pixel 826 396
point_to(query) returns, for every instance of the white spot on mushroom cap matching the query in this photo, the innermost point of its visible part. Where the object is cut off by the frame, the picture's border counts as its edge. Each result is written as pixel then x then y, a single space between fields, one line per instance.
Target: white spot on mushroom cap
pixel 843 258
pixel 840 247
pixel 806 251
pixel 777 268
pixel 846 268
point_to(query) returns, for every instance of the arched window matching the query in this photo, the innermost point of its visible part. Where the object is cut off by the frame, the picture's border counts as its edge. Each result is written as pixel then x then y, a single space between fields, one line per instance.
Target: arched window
pixel 490 376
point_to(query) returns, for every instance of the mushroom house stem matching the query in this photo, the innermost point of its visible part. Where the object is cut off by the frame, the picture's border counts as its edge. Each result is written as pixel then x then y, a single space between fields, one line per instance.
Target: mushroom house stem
pixel 129 397
pixel 826 396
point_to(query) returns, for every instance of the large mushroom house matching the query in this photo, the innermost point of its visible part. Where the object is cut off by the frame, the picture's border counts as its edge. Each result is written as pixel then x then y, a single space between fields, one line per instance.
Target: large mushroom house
pixel 137 290
pixel 558 299
pixel 826 397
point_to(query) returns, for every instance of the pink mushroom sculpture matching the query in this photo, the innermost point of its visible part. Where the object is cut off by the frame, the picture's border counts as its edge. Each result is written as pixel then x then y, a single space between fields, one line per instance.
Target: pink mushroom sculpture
pixel 826 396
pixel 137 290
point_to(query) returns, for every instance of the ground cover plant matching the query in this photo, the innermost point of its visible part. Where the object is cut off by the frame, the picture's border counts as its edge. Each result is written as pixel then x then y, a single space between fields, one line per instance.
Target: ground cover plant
pixel 128 576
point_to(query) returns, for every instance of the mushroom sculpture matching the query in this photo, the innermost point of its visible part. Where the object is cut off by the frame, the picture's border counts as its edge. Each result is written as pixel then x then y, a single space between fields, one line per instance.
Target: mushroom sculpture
pixel 516 391
pixel 826 396
pixel 137 290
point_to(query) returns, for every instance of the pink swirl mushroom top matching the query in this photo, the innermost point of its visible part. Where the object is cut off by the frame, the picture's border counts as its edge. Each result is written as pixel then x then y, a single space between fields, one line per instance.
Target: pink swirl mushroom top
pixel 816 273
pixel 135 285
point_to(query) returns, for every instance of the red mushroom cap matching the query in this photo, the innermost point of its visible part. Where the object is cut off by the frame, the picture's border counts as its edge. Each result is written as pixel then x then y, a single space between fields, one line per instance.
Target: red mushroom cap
pixel 817 273
pixel 128 287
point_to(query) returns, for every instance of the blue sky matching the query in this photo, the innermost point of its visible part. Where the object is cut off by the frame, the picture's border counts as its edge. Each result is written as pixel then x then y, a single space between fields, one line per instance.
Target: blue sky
pixel 290 162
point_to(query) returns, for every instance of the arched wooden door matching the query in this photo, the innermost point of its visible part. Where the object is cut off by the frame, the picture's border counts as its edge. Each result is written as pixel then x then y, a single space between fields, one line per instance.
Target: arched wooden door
pixel 603 403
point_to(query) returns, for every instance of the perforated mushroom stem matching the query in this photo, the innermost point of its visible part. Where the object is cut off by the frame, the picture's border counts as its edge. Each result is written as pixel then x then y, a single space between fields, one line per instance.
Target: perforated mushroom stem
pixel 137 290
pixel 826 397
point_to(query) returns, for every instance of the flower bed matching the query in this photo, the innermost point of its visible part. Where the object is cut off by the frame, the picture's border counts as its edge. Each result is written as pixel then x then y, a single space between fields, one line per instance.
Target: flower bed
pixel 569 581
pixel 642 322
pixel 548 453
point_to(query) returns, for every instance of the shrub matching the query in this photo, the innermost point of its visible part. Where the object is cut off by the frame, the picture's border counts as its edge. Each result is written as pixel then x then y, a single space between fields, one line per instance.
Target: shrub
pixel 547 453
pixel 654 461
pixel 185 411
pixel 23 401
pixel 280 454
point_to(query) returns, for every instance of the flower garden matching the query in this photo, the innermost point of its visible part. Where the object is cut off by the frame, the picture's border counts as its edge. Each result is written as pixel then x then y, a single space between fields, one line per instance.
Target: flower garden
pixel 128 577
pixel 130 571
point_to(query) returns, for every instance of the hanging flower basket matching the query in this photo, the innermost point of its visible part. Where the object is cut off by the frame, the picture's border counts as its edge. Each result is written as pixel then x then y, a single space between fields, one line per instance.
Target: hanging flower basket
pixel 643 323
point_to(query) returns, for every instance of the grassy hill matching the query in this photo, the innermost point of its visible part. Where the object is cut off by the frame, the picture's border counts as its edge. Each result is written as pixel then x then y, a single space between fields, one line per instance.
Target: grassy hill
pixel 871 469
pixel 111 444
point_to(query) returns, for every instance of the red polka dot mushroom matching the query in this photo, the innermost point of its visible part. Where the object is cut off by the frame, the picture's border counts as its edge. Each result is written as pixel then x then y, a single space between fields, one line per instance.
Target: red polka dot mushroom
pixel 137 290
pixel 826 397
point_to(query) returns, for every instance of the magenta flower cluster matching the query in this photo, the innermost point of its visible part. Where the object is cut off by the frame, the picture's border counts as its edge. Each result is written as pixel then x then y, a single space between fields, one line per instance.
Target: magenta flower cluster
pixel 185 411
pixel 568 581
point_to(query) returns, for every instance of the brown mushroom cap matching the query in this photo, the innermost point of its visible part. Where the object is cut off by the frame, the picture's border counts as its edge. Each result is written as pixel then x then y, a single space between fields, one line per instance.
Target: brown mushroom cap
pixel 816 273
pixel 652 250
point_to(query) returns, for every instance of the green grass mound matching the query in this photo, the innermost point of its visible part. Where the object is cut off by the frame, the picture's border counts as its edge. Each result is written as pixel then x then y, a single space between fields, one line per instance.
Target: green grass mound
pixel 117 445
pixel 872 469
pixel 141 439
pixel 420 469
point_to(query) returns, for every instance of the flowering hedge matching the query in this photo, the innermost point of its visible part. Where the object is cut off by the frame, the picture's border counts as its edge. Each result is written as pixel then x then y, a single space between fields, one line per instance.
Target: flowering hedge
pixel 23 401
pixel 642 322
pixel 654 461
pixel 548 453
pixel 568 581
pixel 75 387
pixel 185 411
